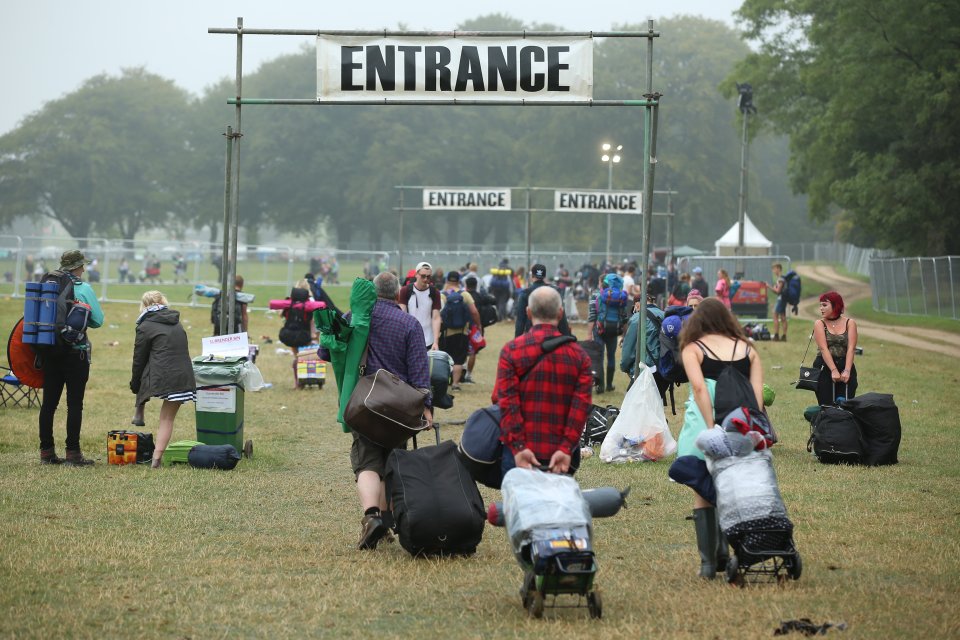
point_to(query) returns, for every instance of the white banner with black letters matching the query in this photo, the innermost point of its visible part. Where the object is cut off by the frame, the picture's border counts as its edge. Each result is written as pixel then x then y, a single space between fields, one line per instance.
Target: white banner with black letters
pixel 492 199
pixel 598 201
pixel 444 68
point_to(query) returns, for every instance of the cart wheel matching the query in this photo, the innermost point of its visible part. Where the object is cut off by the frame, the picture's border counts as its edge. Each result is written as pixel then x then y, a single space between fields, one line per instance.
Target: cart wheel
pixel 595 604
pixel 536 604
pixel 795 566
pixel 248 449
pixel 733 572
pixel 320 386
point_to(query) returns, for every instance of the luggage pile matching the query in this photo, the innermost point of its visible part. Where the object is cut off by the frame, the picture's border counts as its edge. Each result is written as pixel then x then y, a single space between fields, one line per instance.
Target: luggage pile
pixel 862 430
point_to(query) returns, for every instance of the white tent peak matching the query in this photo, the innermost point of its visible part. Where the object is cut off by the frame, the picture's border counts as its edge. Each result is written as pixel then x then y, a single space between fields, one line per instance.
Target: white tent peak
pixel 753 240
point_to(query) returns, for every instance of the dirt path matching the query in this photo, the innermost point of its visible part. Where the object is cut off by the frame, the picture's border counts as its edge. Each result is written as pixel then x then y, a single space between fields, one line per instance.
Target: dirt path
pixel 850 289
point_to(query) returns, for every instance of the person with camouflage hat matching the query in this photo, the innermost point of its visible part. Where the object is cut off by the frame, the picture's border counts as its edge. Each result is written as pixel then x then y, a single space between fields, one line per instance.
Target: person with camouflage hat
pixel 68 368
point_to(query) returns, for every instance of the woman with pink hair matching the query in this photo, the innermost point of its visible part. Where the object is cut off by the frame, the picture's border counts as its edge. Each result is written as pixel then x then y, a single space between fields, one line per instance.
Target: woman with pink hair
pixel 836 338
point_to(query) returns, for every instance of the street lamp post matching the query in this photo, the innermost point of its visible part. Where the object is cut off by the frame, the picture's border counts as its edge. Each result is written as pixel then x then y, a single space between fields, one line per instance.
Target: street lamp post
pixel 611 156
pixel 745 105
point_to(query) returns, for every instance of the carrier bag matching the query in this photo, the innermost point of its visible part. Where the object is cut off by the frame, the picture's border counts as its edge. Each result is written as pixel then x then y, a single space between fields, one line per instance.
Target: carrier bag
pixel 436 504
pixel 835 437
pixel 640 431
pixel 480 448
pixel 213 456
pixel 599 421
pixel 879 422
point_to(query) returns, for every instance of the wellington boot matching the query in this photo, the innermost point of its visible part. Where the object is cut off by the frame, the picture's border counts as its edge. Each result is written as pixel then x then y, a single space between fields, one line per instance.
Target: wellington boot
pixel 723 551
pixel 705 523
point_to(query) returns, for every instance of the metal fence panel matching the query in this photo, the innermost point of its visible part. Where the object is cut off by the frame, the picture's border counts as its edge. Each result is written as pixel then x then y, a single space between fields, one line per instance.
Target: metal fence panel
pixel 916 286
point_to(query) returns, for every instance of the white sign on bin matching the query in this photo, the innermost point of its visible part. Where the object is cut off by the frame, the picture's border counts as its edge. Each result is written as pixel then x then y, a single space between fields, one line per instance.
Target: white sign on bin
pixel 217 399
pixel 230 345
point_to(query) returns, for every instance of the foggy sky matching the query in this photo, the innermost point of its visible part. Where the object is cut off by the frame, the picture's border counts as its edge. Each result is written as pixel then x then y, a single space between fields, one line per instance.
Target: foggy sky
pixel 48 48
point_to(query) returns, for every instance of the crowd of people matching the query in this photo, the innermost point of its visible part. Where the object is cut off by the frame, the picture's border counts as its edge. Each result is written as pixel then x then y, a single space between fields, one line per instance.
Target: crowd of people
pixel 544 379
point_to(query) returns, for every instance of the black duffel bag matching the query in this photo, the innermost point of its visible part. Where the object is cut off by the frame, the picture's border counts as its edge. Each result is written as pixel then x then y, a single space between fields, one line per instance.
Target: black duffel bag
pixel 213 456
pixel 480 449
pixel 835 437
pixel 436 504
pixel 879 422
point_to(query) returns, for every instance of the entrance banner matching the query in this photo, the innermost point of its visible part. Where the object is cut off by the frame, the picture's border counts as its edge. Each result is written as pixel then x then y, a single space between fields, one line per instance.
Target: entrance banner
pixel 598 201
pixel 439 198
pixel 444 68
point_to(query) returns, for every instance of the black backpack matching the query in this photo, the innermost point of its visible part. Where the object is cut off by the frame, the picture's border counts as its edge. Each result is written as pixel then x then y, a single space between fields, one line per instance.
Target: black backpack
pixel 237 315
pixel 455 314
pixel 295 331
pixel 835 437
pixel 486 307
pixel 72 317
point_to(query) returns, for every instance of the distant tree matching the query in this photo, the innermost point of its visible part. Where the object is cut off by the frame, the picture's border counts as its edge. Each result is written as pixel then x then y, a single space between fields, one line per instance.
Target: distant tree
pixel 102 159
pixel 869 93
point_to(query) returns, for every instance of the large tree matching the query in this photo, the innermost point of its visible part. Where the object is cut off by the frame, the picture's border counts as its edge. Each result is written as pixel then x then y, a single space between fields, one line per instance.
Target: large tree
pixel 869 93
pixel 102 159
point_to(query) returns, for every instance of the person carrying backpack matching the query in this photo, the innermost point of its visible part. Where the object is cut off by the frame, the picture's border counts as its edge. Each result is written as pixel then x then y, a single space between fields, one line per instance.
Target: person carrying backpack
pixel 608 315
pixel 67 364
pixel 456 315
pixel 780 309
pixel 240 318
pixel 712 341
pixel 653 316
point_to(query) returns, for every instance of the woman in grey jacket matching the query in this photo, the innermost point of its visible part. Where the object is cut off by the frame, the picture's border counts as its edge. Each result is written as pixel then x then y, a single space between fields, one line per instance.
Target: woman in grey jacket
pixel 161 365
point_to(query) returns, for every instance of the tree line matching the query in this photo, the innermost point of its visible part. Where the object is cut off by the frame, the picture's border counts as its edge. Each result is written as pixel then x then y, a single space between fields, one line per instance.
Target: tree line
pixel 129 153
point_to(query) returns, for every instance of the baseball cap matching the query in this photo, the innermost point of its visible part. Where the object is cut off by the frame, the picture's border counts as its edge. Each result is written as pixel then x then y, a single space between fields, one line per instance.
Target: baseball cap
pixel 539 271
pixel 697 270
pixel 423 265
pixel 453 276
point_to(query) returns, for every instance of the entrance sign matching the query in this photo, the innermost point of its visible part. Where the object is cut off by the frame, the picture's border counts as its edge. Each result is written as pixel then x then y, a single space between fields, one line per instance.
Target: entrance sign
pixel 490 199
pixel 598 201
pixel 441 68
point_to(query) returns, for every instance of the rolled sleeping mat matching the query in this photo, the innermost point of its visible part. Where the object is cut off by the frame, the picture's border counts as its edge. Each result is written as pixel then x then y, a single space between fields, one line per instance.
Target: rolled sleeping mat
pixel 47 316
pixel 603 501
pixel 31 312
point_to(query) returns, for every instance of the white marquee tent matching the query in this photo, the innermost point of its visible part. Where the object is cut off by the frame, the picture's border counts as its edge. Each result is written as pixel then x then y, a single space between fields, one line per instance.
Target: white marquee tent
pixel 754 242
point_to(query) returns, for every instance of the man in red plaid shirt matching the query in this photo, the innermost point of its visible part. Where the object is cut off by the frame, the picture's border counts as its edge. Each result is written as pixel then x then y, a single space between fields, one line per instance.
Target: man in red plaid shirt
pixel 543 394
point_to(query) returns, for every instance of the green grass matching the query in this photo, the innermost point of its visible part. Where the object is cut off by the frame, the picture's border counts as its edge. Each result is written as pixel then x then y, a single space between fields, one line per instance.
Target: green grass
pixel 267 550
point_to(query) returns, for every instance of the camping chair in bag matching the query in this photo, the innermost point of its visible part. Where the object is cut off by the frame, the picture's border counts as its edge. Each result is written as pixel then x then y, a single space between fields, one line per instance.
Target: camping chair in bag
pixel 14 393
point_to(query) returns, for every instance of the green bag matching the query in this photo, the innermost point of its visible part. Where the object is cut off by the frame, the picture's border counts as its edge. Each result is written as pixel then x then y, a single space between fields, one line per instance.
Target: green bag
pixel 177 452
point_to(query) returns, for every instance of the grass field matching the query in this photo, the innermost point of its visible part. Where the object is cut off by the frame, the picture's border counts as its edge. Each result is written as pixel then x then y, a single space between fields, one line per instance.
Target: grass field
pixel 267 550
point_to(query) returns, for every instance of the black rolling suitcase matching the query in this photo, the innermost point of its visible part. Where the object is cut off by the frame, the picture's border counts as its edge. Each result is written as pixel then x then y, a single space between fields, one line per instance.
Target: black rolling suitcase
pixel 436 503
pixel 835 437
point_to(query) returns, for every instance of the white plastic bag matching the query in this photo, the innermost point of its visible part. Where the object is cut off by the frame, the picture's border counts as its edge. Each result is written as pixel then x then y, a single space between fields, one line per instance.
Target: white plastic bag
pixel 534 499
pixel 640 432
pixel 251 376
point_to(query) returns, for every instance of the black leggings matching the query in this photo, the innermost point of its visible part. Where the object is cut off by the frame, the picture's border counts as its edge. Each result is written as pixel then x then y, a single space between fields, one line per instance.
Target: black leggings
pixel 828 390
pixel 609 339
pixel 71 371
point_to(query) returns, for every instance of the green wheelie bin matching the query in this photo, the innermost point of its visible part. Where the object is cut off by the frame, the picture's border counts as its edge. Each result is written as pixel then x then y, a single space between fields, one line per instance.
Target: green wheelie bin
pixel 220 402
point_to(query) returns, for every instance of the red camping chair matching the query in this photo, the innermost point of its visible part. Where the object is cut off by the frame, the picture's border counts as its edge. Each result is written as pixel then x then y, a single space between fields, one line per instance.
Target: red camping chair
pixel 21 381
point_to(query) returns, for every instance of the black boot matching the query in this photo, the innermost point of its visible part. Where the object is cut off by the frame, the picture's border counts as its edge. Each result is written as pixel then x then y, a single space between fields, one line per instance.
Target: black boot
pixel 723 550
pixel 705 523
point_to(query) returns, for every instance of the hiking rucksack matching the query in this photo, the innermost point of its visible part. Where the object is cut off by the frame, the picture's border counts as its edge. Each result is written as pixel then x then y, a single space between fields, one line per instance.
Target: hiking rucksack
pixel 793 287
pixel 670 365
pixel 237 314
pixel 610 303
pixel 296 328
pixel 500 280
pixel 455 314
pixel 69 320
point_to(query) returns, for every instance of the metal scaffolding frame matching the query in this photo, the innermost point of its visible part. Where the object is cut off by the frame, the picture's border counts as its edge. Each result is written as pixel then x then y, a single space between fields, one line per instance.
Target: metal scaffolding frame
pixel 650 104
